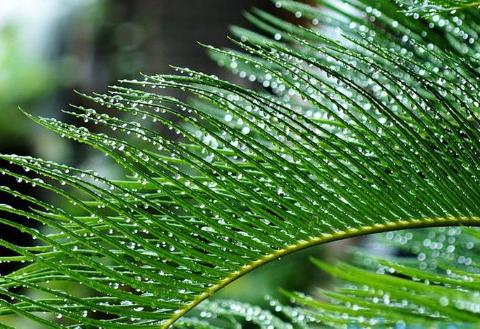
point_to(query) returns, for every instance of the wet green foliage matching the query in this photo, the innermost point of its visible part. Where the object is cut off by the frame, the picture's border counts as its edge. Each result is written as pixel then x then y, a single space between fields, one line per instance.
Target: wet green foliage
pixel 365 121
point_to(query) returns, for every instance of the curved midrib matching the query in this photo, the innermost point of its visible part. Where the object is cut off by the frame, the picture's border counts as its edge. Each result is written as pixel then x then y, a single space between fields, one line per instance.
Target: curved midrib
pixel 377 228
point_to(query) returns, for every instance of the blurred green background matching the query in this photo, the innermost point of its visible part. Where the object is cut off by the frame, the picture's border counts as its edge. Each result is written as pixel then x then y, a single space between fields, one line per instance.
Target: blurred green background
pixel 49 48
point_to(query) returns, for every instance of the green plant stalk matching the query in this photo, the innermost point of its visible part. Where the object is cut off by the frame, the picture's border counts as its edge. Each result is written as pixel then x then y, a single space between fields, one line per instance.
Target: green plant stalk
pixel 351 233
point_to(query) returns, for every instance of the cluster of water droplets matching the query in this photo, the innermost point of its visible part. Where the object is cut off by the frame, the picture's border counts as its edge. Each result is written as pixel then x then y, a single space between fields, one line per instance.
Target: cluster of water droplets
pixel 432 7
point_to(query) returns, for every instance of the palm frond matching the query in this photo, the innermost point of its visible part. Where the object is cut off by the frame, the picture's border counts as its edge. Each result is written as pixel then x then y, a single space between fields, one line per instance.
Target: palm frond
pixel 435 286
pixel 373 129
pixel 436 6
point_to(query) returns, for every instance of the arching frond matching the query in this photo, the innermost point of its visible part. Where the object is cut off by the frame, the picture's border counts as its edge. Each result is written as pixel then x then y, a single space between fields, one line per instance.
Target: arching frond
pixel 371 129
pixel 436 286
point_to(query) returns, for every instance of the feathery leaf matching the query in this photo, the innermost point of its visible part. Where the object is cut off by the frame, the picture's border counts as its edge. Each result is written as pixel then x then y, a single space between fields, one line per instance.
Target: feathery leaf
pixel 371 129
